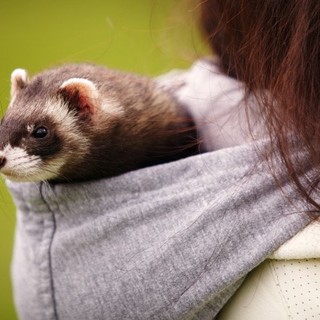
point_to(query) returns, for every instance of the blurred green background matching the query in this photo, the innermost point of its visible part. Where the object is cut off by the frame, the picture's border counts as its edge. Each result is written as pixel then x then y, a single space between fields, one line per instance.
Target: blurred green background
pixel 144 36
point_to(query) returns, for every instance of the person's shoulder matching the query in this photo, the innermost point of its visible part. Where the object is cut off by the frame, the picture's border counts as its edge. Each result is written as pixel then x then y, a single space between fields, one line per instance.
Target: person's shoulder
pixel 214 101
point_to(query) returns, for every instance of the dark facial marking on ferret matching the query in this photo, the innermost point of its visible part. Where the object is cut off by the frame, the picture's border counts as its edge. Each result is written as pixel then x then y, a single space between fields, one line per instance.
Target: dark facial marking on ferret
pixel 12 132
pixel 22 134
pixel 45 146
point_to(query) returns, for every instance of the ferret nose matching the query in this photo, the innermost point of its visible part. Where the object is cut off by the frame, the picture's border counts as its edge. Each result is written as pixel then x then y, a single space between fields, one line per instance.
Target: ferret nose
pixel 2 162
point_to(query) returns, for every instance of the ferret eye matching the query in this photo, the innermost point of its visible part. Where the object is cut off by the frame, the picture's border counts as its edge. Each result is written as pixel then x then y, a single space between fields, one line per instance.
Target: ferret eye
pixel 40 132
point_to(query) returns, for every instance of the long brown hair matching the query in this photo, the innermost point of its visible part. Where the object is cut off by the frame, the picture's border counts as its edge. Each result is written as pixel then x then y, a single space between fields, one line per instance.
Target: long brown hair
pixel 275 45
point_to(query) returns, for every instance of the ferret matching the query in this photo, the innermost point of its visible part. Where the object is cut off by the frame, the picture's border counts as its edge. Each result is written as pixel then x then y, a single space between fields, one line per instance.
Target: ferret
pixel 79 122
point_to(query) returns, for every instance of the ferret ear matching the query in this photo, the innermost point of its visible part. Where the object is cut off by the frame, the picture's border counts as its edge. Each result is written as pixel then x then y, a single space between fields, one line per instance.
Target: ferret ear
pixel 81 95
pixel 19 80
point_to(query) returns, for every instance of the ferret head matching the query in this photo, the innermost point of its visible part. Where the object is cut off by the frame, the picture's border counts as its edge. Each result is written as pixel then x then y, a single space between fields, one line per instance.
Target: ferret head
pixel 43 129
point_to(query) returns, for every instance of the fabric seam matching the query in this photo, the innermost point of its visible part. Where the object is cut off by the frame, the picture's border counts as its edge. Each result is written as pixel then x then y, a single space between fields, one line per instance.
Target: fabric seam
pixel 278 286
pixel 54 227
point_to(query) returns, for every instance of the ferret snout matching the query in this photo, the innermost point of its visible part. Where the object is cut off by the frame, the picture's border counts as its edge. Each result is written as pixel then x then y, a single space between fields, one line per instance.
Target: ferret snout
pixel 3 161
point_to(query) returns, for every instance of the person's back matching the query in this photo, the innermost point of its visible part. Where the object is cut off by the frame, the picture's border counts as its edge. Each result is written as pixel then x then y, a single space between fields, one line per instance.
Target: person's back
pixel 273 47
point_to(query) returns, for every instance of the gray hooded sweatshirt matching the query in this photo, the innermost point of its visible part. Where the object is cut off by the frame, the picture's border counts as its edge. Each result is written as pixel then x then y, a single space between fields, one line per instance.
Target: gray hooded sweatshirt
pixel 172 241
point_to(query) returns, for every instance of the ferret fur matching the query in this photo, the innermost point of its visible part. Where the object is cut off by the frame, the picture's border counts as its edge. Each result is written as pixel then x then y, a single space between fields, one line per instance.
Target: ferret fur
pixel 96 123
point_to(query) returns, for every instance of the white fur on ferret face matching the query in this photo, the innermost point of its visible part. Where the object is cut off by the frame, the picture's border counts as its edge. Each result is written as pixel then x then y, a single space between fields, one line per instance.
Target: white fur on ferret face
pixel 21 166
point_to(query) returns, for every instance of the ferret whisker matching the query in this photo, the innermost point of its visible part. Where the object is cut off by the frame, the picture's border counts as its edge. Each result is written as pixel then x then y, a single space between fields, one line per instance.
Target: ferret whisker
pixel 24 166
pixel 47 184
pixel 22 157
pixel 24 163
pixel 57 174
